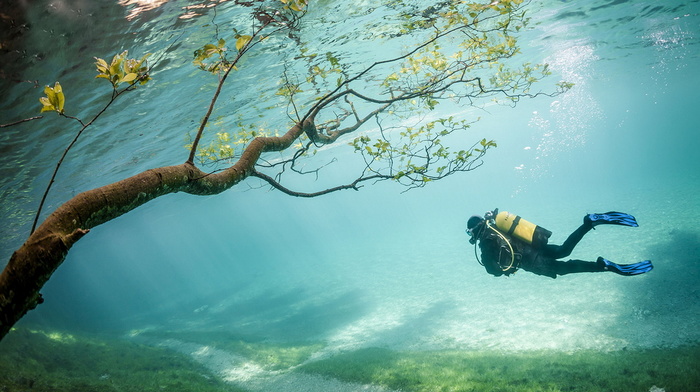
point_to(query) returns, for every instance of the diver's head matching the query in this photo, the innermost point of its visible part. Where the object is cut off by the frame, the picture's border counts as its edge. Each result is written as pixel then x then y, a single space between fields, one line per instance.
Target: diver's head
pixel 474 226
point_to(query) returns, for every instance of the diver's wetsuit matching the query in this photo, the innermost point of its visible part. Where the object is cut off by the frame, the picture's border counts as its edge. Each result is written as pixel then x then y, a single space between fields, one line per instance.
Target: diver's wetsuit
pixel 495 255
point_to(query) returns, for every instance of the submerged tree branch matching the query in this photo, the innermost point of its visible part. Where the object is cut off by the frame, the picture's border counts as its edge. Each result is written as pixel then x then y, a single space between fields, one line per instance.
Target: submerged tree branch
pixel 33 263
pixel 412 156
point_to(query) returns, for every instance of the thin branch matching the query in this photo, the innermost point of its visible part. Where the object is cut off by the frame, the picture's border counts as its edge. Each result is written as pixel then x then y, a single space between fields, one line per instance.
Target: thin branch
pixel 20 121
pixel 205 120
pixel 354 185
pixel 330 137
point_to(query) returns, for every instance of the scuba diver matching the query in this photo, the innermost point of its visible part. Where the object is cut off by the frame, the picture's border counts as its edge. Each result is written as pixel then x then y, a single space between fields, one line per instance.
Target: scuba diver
pixel 509 243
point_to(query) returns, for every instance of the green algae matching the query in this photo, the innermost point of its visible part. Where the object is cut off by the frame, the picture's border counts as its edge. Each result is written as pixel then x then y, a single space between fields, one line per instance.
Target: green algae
pixel 57 361
pixel 267 354
pixel 672 369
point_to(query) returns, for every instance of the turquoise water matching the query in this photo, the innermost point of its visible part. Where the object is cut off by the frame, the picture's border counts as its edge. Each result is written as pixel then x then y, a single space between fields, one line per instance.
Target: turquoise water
pixel 379 267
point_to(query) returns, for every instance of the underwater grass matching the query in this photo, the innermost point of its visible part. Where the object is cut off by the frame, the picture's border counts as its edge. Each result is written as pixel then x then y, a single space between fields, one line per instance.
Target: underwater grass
pixel 270 355
pixel 55 361
pixel 673 369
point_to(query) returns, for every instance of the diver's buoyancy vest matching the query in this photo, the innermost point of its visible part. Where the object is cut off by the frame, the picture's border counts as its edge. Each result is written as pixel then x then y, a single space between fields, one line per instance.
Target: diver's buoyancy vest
pixel 514 225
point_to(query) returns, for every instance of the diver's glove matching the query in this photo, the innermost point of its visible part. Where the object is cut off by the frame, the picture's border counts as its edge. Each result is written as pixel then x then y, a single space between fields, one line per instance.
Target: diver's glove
pixel 625 269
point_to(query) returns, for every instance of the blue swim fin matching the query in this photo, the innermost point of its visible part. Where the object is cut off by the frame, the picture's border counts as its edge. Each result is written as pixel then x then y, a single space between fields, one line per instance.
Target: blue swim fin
pixel 612 218
pixel 626 269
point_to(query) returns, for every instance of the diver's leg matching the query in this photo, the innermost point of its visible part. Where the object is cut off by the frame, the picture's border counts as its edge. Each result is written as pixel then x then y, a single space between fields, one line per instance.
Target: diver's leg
pixel 565 249
pixel 576 266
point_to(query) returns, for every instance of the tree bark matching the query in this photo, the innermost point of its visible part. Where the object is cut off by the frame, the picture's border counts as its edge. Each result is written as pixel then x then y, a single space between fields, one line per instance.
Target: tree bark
pixel 31 266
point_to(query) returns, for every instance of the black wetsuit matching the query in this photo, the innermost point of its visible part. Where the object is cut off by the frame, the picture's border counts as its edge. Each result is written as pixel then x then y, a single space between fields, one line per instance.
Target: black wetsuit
pixel 496 256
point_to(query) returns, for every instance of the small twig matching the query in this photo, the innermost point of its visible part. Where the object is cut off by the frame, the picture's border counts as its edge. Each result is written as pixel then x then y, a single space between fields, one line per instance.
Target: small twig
pixel 20 121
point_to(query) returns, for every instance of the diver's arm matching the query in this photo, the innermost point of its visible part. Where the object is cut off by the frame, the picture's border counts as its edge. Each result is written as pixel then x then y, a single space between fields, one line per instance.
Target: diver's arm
pixel 490 250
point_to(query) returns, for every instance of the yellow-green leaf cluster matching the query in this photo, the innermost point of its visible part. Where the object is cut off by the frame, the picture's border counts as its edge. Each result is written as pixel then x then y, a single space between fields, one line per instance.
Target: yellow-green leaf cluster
pixel 501 6
pixel 323 71
pixel 227 146
pixel 289 89
pixel 295 5
pixel 123 69
pixel 417 155
pixel 427 65
pixel 54 99
pixel 203 56
pixel 485 145
pixel 219 149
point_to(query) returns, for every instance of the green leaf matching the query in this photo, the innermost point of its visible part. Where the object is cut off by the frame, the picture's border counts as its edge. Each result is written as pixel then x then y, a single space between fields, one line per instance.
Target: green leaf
pixel 47 106
pixel 101 65
pixel 116 67
pixel 144 58
pixel 298 5
pixel 210 49
pixel 50 94
pixel 332 59
pixel 242 41
pixel 60 98
pixel 130 77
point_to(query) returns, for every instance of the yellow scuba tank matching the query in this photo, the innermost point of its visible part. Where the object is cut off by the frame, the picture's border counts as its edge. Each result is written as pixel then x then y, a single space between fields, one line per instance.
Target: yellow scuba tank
pixel 514 225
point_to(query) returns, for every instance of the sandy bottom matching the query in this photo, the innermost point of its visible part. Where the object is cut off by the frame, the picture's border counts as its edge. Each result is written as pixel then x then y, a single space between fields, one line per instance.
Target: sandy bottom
pixel 239 371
